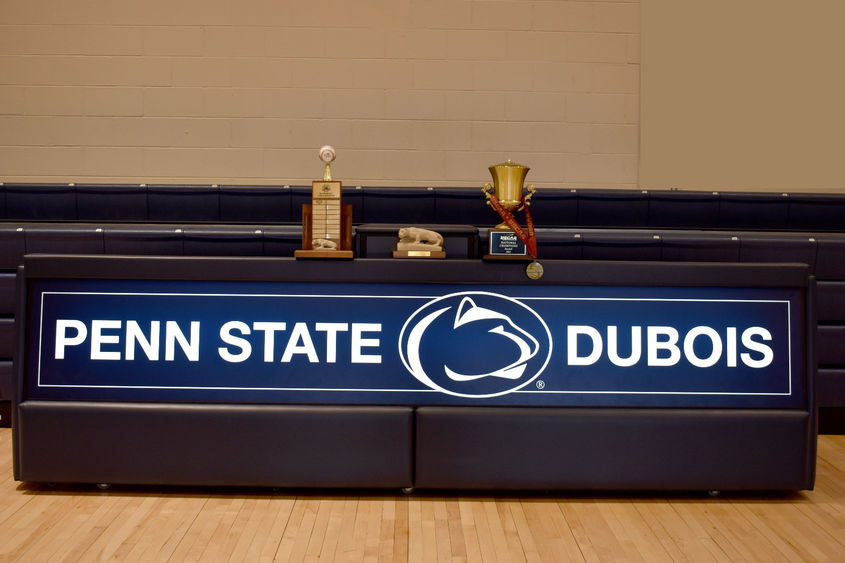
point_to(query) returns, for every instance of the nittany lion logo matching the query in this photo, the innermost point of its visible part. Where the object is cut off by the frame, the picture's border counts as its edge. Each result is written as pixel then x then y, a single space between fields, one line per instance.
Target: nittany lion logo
pixel 475 344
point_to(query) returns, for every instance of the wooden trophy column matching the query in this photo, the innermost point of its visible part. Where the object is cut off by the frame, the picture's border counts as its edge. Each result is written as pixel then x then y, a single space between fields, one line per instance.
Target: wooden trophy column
pixel 326 222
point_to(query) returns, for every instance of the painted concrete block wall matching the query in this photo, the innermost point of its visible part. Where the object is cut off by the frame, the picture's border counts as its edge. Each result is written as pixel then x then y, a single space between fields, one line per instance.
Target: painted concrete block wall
pixel 411 92
pixel 743 95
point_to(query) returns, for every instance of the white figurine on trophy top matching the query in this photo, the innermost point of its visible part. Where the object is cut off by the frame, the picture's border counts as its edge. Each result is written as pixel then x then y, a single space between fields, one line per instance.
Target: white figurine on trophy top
pixel 327 155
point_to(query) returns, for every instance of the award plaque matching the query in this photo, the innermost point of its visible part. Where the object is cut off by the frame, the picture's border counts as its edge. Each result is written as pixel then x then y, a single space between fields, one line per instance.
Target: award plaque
pixel 504 242
pixel 326 222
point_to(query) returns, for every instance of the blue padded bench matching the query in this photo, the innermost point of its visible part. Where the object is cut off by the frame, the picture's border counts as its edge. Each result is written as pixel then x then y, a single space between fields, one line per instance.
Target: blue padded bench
pixel 101 202
pixel 183 203
pixel 462 206
pixel 354 196
pixel 554 208
pixel 683 209
pixel 143 240
pixel 832 381
pixel 558 245
pixel 63 239
pixel 816 212
pixel 40 202
pixel 299 196
pixel 621 245
pixel 831 352
pixel 830 261
pixel 830 301
pixel 7 293
pixel 223 240
pixel 612 208
pixel 12 246
pixel 7 338
pixel 699 247
pixel 779 248
pixel 412 206
pixel 753 210
pixel 281 240
pixel 255 204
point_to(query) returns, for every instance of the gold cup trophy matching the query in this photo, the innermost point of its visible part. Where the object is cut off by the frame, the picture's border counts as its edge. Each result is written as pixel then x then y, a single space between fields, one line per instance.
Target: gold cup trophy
pixel 508 240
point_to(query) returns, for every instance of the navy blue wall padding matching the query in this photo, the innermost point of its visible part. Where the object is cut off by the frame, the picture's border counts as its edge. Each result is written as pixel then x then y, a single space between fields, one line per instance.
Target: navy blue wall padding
pixel 552 207
pixel 6 383
pixel 830 301
pixel 699 247
pixel 354 196
pixel 612 208
pixel 255 204
pixel 7 293
pixel 222 241
pixel 646 449
pixel 817 212
pixel 3 200
pixel 682 209
pixel 177 203
pixel 463 206
pixel 831 352
pixel 7 338
pixel 558 245
pixel 63 239
pixel 413 206
pixel 216 445
pixel 375 245
pixel 143 240
pixel 282 240
pixel 299 196
pixel 777 249
pixel 12 246
pixel 620 246
pixel 103 202
pixel 831 258
pixel 833 383
pixel 753 210
pixel 41 202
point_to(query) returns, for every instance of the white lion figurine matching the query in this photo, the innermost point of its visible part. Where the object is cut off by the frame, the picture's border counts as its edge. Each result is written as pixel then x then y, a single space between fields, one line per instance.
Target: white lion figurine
pixel 323 244
pixel 415 238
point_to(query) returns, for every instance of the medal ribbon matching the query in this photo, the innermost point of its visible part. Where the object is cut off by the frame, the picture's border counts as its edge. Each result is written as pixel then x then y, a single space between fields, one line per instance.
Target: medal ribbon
pixel 529 238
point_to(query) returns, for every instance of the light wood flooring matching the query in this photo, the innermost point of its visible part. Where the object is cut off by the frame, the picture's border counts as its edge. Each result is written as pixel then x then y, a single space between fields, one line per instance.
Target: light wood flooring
pixel 82 523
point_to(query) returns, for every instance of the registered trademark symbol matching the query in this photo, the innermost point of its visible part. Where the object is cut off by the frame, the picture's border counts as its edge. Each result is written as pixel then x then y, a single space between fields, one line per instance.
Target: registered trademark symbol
pixel 541 384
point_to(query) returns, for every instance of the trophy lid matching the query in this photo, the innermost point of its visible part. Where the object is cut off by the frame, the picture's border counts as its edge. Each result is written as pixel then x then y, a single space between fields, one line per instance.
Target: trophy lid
pixel 508 164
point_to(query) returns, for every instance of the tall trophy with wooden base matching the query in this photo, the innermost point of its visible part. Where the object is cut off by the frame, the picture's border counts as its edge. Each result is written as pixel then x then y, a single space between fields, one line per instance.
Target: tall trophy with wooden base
pixel 326 222
pixel 508 240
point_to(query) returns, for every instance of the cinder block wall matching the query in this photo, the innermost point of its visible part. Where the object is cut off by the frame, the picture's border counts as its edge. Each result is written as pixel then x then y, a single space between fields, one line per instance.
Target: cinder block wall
pixel 742 95
pixel 410 92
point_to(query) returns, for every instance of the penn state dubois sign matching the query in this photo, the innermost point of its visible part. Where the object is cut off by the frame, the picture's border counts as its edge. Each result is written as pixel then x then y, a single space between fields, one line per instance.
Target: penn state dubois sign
pixel 414 344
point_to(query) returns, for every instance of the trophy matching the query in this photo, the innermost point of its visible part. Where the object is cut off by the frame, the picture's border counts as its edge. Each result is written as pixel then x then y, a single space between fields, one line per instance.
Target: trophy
pixel 326 222
pixel 506 196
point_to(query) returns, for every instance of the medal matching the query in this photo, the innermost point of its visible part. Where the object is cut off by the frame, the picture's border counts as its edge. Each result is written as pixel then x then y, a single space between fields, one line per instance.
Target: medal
pixel 534 270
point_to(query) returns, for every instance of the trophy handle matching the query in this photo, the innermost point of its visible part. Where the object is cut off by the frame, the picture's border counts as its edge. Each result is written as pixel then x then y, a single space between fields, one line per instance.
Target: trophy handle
pixel 531 191
pixel 487 189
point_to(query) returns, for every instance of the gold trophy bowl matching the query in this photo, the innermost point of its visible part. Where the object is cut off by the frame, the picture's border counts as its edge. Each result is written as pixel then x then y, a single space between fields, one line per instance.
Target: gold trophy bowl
pixel 508 179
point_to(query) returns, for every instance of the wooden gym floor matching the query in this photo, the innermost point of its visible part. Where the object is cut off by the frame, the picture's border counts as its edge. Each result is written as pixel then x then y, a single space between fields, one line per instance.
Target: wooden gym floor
pixel 82 523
